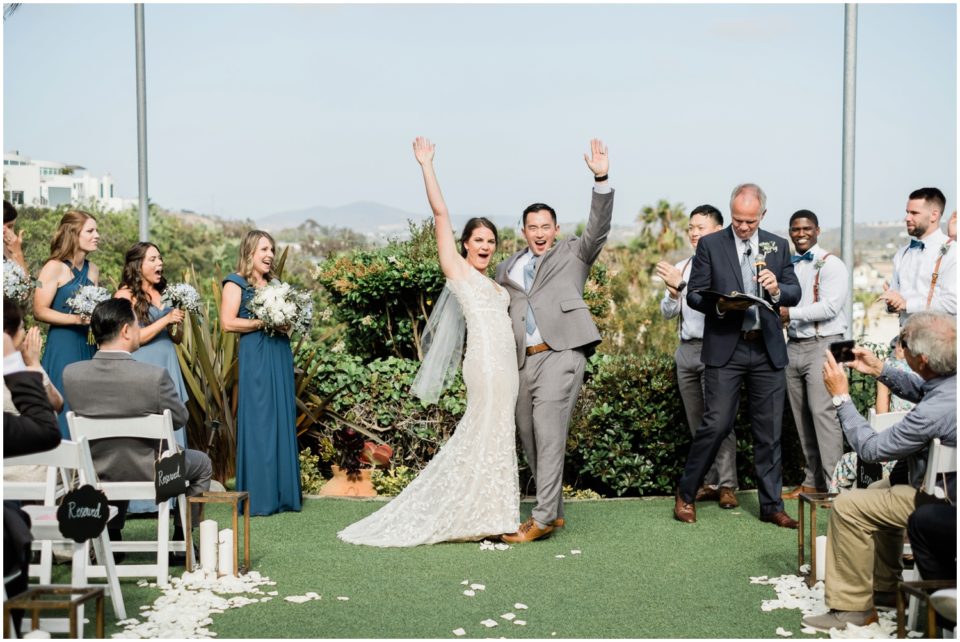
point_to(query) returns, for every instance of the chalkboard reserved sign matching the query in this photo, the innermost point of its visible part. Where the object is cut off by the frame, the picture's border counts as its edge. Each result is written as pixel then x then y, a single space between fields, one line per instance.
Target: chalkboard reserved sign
pixel 171 475
pixel 83 513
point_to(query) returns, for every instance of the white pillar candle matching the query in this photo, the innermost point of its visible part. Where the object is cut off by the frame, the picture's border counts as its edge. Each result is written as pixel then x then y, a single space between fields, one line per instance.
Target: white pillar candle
pixel 821 557
pixel 208 545
pixel 226 565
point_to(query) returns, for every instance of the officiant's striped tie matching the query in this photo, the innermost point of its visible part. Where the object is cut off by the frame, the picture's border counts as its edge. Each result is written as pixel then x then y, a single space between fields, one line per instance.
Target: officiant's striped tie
pixel 746 271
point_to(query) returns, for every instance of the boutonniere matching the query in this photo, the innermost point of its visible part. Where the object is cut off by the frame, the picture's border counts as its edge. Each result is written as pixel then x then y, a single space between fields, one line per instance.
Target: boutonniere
pixel 819 264
pixel 767 247
pixel 944 248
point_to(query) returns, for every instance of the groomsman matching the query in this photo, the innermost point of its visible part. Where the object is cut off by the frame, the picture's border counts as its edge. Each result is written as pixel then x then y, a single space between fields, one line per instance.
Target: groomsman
pixel 812 325
pixel 924 272
pixel 741 343
pixel 721 479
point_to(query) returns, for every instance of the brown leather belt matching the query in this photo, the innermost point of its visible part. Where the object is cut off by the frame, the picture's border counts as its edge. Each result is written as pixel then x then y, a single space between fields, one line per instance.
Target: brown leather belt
pixel 751 335
pixel 540 347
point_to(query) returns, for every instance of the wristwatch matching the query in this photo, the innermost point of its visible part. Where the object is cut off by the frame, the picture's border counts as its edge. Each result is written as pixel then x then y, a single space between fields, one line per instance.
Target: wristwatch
pixel 681 286
pixel 839 399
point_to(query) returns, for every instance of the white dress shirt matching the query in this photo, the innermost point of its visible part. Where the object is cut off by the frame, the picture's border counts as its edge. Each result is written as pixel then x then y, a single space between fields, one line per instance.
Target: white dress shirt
pixel 825 317
pixel 691 321
pixel 912 272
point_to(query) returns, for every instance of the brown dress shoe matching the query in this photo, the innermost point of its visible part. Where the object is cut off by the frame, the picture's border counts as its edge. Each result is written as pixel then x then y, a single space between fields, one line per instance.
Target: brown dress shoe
pixel 684 512
pixel 707 494
pixel 781 519
pixel 559 523
pixel 727 498
pixel 528 531
pixel 794 493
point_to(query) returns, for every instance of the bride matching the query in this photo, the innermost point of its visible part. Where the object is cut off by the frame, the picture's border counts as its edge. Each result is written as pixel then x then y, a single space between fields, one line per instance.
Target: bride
pixel 469 490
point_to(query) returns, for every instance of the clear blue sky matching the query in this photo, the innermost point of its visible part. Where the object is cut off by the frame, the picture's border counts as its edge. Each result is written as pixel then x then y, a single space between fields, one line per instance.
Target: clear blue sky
pixel 255 109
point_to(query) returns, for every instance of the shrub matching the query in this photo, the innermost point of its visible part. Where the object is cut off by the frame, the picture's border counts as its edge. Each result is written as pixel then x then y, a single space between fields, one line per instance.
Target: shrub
pixel 391 482
pixel 311 479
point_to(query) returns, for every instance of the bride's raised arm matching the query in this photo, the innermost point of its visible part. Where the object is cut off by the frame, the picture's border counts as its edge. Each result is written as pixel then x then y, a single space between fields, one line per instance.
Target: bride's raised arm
pixel 452 264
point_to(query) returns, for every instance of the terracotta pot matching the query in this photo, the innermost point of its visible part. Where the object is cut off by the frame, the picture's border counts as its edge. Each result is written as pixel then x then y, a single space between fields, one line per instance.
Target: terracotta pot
pixel 340 486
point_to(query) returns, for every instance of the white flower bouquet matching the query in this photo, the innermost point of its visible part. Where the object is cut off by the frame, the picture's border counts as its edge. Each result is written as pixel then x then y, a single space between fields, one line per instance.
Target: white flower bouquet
pixel 182 296
pixel 16 284
pixel 280 305
pixel 86 299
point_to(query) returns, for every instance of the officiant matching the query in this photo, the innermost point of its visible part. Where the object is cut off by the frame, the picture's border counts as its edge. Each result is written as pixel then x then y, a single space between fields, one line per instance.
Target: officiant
pixel 740 344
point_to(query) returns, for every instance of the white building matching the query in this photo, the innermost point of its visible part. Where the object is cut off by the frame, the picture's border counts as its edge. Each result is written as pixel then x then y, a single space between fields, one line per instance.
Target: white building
pixel 49 184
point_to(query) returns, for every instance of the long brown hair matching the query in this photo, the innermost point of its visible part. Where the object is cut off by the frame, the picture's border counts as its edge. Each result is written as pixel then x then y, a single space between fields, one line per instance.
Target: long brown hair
pixel 247 247
pixel 132 278
pixel 66 240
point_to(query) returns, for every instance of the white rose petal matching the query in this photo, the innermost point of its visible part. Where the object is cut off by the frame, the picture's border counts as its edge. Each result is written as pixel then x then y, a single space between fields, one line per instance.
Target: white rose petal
pixel 342 598
pixel 809 630
pixel 520 622
pixel 469 593
pixel 465 582
pixel 519 606
pixel 459 632
pixel 501 546
pixel 297 599
pixel 490 623
pixel 313 596
pixel 478 587
pixel 782 632
pixel 508 616
pixel 560 557
pixel 575 551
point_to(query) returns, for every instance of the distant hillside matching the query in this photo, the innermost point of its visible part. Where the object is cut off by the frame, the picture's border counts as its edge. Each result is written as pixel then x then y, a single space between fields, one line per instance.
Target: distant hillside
pixel 363 216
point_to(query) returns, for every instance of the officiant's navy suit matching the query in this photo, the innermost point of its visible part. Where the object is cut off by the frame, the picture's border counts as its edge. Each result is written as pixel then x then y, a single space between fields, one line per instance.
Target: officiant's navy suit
pixel 732 356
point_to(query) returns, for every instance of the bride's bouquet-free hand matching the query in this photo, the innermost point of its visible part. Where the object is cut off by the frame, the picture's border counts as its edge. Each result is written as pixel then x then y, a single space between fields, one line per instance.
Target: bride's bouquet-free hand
pixel 16 284
pixel 85 300
pixel 281 306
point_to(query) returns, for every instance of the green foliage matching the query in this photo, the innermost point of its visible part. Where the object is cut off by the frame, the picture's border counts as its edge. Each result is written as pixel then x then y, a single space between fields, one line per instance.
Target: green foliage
pixel 391 482
pixel 569 492
pixel 311 479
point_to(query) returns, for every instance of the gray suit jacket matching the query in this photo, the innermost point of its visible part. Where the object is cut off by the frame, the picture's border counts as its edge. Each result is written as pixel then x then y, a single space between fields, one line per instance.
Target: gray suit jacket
pixel 114 384
pixel 556 295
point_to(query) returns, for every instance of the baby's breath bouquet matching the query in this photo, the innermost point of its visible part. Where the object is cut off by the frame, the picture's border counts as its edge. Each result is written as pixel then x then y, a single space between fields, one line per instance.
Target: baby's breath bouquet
pixel 182 296
pixel 86 299
pixel 16 284
pixel 280 305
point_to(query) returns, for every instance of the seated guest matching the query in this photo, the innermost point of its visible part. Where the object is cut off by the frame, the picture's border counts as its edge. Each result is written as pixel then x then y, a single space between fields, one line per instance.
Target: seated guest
pixel 33 429
pixel 865 535
pixel 114 384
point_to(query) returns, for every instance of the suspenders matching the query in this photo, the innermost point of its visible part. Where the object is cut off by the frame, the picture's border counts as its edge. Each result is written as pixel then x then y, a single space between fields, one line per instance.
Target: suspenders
pixel 680 318
pixel 816 291
pixel 936 272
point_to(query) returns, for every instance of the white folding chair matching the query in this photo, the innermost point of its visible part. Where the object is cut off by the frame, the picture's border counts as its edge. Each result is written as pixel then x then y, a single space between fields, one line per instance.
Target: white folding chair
pixel 940 459
pixel 152 427
pixel 885 420
pixel 45 527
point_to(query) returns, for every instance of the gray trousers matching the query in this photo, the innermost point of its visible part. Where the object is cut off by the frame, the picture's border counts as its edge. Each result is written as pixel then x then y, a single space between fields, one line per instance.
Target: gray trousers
pixel 549 386
pixel 821 437
pixel 723 470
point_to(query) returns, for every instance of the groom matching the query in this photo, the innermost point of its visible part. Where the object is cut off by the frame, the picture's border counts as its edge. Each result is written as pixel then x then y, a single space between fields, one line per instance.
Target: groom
pixel 555 334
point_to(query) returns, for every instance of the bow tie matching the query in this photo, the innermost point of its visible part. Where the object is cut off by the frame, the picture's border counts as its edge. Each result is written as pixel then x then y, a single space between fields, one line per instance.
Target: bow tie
pixel 915 243
pixel 806 256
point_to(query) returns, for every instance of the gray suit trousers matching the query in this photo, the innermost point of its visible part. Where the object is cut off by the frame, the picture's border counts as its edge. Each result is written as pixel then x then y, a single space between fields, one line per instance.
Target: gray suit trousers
pixel 821 437
pixel 723 471
pixel 549 386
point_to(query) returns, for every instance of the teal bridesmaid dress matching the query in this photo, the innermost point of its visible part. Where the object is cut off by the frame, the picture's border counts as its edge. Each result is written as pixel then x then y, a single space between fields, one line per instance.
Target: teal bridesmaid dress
pixel 66 344
pixel 268 466
pixel 160 351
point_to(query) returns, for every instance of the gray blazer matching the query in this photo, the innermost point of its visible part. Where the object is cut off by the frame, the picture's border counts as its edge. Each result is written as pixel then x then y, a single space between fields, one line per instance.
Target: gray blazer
pixel 114 384
pixel 556 295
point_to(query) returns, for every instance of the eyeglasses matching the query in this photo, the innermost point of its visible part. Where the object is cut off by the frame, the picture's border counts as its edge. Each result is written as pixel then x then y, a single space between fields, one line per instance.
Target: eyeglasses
pixel 903 342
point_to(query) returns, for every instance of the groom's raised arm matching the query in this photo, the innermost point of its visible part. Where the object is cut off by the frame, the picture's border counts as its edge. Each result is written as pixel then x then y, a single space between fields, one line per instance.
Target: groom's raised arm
pixel 601 206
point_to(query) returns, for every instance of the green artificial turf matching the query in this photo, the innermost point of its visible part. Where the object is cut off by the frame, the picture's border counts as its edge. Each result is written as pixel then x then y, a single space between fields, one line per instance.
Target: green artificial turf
pixel 640 575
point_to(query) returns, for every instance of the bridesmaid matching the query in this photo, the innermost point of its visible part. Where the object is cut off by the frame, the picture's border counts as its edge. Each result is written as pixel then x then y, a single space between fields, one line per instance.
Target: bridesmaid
pixel 267 460
pixel 66 270
pixel 143 283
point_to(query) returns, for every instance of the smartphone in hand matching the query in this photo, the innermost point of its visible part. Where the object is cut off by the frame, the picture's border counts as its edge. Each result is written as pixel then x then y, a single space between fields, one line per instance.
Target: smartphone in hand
pixel 842 351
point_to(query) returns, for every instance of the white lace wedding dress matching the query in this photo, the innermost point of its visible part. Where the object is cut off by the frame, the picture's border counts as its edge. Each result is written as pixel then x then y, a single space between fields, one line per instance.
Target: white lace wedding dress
pixel 469 490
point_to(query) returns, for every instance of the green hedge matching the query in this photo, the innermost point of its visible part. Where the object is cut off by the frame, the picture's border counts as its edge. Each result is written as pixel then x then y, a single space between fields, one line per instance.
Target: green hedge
pixel 628 435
